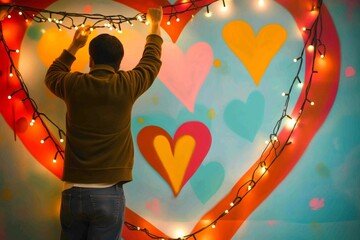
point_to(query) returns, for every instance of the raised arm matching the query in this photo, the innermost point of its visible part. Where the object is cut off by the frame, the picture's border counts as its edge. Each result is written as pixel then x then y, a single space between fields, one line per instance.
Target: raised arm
pixel 154 16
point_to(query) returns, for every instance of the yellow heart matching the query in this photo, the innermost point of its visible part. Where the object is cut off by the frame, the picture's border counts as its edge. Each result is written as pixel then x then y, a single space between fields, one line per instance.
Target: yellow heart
pixel 175 163
pixel 52 44
pixel 256 52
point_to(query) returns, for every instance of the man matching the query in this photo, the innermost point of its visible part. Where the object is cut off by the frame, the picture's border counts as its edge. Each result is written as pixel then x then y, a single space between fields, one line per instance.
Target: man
pixel 99 147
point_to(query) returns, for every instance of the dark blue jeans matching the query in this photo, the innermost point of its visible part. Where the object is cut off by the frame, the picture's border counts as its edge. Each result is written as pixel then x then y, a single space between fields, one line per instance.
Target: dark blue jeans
pixel 92 213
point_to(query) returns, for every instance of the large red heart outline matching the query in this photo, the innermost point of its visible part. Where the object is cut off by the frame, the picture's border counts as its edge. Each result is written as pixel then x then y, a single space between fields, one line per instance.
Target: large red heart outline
pixel 323 93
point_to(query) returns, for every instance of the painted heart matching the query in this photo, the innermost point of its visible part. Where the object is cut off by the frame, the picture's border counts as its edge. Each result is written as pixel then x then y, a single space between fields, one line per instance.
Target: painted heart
pixel 256 52
pixel 49 40
pixel 174 30
pixel 177 159
pixel 324 93
pixel 184 74
pixel 207 180
pixel 245 118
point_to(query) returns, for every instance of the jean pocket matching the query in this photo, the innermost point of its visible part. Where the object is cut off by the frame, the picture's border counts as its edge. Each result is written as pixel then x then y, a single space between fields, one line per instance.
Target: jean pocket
pixel 108 209
pixel 66 217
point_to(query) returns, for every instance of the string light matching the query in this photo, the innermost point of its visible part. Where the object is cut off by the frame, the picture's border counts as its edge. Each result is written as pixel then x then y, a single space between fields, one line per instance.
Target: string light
pixel 42 141
pixel 114 22
pixel 261 3
pixel 208 13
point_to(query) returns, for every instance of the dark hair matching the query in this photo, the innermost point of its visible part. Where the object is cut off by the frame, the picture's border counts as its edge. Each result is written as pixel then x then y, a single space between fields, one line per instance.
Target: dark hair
pixel 106 49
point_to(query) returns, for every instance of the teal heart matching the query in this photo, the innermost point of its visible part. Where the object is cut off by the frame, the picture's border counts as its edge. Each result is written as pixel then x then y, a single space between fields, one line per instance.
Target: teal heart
pixel 245 118
pixel 207 180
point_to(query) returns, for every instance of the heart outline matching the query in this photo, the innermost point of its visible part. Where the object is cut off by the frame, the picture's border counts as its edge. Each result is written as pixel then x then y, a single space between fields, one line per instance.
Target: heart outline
pixel 326 95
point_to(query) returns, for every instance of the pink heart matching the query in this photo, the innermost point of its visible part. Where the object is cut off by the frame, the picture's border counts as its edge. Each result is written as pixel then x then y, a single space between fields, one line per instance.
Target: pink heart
pixel 184 74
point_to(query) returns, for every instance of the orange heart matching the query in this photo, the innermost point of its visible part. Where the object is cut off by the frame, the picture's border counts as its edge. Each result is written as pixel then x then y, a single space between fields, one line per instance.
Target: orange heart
pixel 49 48
pixel 256 52
pixel 175 163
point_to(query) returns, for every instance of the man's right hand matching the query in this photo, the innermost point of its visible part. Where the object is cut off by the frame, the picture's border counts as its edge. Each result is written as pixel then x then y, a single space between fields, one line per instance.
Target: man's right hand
pixel 79 40
pixel 154 16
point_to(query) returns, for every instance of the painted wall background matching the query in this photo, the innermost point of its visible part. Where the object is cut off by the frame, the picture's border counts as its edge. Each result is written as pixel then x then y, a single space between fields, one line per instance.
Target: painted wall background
pixel 204 91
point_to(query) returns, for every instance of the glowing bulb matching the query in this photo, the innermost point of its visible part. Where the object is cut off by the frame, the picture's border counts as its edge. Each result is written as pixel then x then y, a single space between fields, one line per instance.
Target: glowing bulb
pixel 322 55
pixel 267 142
pixel 49 19
pixel 42 141
pixel 231 204
pixel 310 48
pixel 261 3
pixel 32 122
pixel 178 19
pixel 213 226
pixel 300 84
pixel 61 140
pixel 11 74
pixel 168 23
pixel 208 14
pixel 17 50
pixel 226 211
pixel 9 97
pixel 138 228
pixel 9 16
pixel 54 160
pixel 119 31
pixel 249 188
pixel 20 13
pixel 291 123
pixel 304 29
pixel 312 103
pixel 263 169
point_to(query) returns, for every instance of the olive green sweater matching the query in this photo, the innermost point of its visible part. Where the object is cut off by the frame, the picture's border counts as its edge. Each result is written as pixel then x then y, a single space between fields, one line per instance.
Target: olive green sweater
pixel 99 145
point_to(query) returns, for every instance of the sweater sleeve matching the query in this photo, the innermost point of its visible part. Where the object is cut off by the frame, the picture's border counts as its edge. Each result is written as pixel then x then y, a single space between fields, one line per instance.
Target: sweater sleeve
pixel 143 75
pixel 58 72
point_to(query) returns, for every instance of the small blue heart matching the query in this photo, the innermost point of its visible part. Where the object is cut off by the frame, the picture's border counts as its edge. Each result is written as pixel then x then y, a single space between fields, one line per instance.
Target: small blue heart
pixel 245 118
pixel 207 180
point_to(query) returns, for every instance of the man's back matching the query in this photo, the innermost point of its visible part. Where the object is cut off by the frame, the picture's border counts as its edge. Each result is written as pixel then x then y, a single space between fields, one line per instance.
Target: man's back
pixel 99 146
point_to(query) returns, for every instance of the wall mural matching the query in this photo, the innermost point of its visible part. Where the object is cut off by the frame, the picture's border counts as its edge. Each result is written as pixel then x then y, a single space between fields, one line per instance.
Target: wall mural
pixel 212 158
